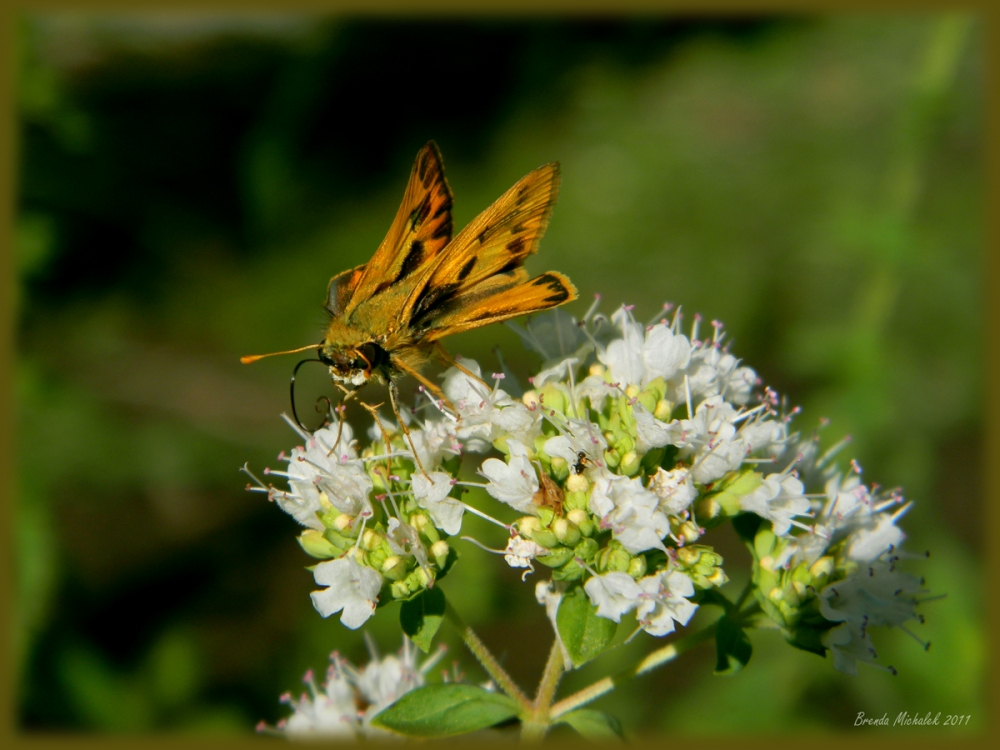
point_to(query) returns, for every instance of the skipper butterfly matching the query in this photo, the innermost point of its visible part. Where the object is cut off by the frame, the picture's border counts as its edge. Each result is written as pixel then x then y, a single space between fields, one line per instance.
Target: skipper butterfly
pixel 388 316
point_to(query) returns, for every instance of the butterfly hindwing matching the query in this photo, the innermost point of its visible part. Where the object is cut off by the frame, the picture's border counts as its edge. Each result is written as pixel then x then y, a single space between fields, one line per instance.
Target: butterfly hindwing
pixel 493 303
pixel 421 229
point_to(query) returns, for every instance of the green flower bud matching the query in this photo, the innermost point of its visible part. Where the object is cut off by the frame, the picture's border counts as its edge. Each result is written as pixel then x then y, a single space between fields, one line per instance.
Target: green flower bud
pixel 648 400
pixel 612 458
pixel 376 558
pixel 570 571
pixel 630 464
pixel 370 540
pixel 394 568
pixel 553 399
pixel 527 525
pixel 399 590
pixel 559 468
pixel 611 559
pixel 637 567
pixel 546 516
pixel 576 500
pixel 342 523
pixel 339 541
pixel 624 444
pixel 577 516
pixel 567 533
pixel 663 410
pixel 585 549
pixel 316 545
pixel 556 558
pixel 822 570
pixel 439 551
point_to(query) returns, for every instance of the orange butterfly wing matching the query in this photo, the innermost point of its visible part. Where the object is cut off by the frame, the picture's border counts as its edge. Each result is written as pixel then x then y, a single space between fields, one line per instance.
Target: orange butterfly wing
pixel 480 307
pixel 421 229
pixel 486 259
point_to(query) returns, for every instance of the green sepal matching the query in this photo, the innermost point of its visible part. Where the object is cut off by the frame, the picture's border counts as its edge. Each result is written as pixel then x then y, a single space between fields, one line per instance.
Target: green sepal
pixel 584 634
pixel 444 710
pixel 421 616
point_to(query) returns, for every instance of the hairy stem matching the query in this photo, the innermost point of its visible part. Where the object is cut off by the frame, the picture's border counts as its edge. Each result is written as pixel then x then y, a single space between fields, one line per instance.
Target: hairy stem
pixel 489 662
pixel 533 728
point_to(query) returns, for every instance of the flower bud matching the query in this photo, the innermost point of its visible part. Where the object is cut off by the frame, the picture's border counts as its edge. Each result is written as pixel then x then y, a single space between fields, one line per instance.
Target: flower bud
pixel 439 551
pixel 420 521
pixel 343 522
pixel 577 516
pixel 317 545
pixel 637 567
pixel 612 559
pixel 585 549
pixel 570 571
pixel 612 458
pixel 394 568
pixel 663 410
pixel 370 540
pixel 576 501
pixel 577 483
pixel 560 468
pixel 527 525
pixel 631 391
pixel 689 532
pixel 553 398
pixel 567 533
pixel 596 369
pixel 821 571
pixel 530 399
pixel 630 464
pixel 399 590
pixel 556 558
pixel 376 558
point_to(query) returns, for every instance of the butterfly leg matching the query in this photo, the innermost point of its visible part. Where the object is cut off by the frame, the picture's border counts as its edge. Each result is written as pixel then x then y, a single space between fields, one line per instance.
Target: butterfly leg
pixel 373 410
pixel 394 400
pixel 448 359
pixel 348 395
pixel 434 389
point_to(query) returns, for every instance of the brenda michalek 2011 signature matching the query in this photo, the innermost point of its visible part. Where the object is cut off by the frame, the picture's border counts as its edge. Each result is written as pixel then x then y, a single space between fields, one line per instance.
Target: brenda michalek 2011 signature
pixel 906 719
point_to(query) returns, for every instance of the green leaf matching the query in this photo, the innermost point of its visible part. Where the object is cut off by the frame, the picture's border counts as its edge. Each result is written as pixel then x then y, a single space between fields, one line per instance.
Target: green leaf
pixel 445 710
pixel 421 617
pixel 584 634
pixel 732 645
pixel 594 725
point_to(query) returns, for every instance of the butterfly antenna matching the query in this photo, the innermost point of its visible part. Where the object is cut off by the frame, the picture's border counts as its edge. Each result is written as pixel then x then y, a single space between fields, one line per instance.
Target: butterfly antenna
pixel 250 358
pixel 291 387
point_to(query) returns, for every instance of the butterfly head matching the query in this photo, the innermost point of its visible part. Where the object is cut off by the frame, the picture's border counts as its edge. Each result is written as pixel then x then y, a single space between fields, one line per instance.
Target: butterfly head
pixel 353 365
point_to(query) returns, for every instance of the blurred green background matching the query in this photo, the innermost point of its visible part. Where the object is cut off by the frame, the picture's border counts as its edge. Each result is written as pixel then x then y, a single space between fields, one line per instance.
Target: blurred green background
pixel 188 184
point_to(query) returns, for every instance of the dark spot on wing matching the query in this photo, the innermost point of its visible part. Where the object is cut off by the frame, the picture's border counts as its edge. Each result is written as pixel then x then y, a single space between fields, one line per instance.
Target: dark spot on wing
pixel 414 257
pixel 466 269
pixel 512 265
pixel 482 235
pixel 516 246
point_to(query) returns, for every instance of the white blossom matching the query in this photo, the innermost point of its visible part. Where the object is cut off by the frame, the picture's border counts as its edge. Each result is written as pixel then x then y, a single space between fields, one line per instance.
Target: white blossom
pixel 779 499
pixel 614 594
pixel 351 587
pixel 674 488
pixel 630 511
pixel 664 602
pixel 515 482
pixel 431 493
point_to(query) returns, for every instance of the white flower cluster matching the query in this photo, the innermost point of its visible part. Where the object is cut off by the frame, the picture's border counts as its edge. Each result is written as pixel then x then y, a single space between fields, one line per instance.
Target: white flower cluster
pixel 331 711
pixel 632 442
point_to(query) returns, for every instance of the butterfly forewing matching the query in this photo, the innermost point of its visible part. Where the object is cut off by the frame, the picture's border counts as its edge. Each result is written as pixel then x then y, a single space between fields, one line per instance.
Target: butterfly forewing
pixel 492 248
pixel 421 229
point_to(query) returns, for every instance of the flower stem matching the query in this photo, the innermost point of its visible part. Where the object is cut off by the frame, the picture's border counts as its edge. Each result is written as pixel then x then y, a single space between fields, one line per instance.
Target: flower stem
pixel 533 728
pixel 650 662
pixel 489 662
